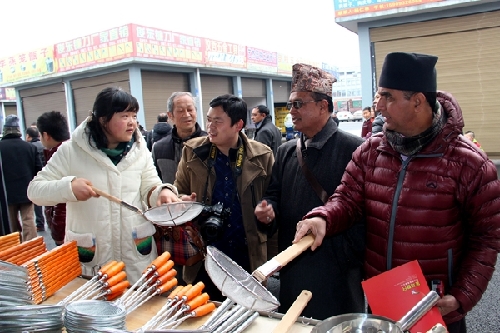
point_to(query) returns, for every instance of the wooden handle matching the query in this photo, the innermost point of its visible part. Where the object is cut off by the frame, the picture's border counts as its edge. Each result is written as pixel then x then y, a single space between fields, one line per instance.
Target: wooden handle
pixel 293 312
pixel 106 195
pixel 294 250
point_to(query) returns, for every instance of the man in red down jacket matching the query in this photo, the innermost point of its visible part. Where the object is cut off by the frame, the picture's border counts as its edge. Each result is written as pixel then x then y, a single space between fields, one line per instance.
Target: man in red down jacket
pixel 54 130
pixel 427 193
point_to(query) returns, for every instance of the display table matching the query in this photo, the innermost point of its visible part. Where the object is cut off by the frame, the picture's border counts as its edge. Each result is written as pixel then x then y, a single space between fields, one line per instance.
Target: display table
pixel 141 315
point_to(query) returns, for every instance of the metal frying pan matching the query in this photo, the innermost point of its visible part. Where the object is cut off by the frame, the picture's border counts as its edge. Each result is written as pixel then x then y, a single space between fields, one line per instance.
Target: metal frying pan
pixel 243 288
pixel 361 322
pixel 166 215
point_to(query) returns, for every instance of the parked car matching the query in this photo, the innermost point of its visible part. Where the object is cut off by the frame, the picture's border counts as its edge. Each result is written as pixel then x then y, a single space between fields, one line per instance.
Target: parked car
pixel 358 115
pixel 344 116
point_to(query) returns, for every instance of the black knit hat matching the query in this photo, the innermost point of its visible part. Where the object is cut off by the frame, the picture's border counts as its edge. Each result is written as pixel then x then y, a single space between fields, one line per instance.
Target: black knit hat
pixel 11 126
pixel 409 72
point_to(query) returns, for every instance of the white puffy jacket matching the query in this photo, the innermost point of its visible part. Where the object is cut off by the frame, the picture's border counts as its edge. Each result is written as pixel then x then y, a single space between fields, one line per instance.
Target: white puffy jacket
pixel 104 230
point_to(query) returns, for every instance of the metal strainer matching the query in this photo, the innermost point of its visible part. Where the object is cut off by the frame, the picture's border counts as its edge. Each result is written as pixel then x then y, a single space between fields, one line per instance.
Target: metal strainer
pixel 236 283
pixel 166 215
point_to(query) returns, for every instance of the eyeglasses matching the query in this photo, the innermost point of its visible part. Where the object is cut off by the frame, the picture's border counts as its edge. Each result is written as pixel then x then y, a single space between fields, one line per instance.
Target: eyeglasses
pixel 297 104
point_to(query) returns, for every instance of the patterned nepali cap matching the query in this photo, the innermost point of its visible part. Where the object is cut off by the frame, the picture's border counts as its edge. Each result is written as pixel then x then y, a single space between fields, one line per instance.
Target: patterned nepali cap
pixel 312 79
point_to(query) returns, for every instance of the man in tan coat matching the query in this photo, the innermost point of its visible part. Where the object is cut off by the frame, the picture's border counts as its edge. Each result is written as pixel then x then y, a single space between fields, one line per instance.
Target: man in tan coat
pixel 229 169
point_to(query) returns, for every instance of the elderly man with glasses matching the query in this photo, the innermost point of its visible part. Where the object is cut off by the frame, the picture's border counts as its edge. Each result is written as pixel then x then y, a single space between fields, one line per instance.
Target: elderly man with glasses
pixel 333 272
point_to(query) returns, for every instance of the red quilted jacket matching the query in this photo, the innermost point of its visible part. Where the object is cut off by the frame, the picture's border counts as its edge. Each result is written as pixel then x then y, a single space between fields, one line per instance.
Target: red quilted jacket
pixel 440 207
pixel 55 215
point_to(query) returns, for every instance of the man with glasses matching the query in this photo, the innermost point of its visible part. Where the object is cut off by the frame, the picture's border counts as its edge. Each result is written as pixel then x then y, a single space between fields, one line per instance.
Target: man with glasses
pixel 229 169
pixel 266 132
pixel 333 272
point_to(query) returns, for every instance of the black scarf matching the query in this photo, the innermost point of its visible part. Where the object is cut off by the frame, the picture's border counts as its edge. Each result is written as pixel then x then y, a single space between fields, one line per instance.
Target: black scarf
pixel 408 146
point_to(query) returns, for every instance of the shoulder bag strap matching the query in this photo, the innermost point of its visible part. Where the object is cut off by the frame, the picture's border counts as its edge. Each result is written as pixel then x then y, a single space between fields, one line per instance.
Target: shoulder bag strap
pixel 308 174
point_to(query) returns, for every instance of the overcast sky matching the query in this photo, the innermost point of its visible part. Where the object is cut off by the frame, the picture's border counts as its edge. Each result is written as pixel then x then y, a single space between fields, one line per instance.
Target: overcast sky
pixel 305 28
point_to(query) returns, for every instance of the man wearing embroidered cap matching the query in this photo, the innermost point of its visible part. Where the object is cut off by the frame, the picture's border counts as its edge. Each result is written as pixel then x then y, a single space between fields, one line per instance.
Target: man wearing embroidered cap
pixel 333 272
pixel 427 193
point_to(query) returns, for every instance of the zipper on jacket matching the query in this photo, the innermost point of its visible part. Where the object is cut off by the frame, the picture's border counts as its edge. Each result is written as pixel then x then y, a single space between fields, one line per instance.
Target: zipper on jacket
pixel 394 209
pixel 395 201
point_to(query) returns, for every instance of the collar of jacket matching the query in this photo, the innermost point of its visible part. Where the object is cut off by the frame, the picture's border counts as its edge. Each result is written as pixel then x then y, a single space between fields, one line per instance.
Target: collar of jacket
pixel 197 133
pixel 319 140
pixel 452 128
pixel 11 136
pixel 81 138
pixel 262 123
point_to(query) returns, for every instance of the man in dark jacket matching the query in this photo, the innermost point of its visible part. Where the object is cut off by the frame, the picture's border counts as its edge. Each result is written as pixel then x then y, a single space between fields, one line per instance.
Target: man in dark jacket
pixel 160 130
pixel 54 130
pixel 20 162
pixel 427 193
pixel 33 136
pixel 265 131
pixel 378 122
pixel 332 273
pixel 167 152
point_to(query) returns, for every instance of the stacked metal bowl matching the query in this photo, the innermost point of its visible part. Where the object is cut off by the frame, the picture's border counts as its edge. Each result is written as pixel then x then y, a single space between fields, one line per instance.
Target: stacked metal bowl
pixel 14 287
pixel 93 316
pixel 31 318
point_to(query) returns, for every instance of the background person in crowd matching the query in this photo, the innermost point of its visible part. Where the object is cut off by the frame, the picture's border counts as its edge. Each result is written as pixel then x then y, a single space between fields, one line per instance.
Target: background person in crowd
pixel 378 122
pixel 335 118
pixel 20 163
pixel 333 272
pixel 106 151
pixel 167 152
pixel 160 130
pixel 265 131
pixel 32 136
pixel 54 130
pixel 366 129
pixel 228 168
pixel 416 206
pixel 472 137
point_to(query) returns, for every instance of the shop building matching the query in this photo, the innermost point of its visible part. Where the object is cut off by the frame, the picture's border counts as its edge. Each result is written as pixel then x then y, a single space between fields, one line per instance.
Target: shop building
pixel 151 64
pixel 464 34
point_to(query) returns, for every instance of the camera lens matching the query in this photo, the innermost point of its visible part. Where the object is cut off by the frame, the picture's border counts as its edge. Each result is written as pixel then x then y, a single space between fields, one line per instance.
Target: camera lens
pixel 212 228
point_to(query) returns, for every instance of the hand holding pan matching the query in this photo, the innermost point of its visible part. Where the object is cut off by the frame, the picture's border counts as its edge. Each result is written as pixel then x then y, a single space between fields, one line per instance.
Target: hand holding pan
pixel 243 288
pixel 166 215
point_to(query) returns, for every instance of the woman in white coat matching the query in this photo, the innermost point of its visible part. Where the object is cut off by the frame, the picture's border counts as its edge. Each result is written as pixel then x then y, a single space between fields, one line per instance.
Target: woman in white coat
pixel 108 152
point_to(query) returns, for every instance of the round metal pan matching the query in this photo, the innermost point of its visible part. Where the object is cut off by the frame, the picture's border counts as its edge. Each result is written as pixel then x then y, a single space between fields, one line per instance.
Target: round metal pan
pixel 361 322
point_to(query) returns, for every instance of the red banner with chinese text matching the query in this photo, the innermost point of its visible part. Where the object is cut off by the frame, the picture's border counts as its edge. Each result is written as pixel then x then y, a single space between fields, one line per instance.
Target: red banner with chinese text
pixel 167 45
pixel 105 46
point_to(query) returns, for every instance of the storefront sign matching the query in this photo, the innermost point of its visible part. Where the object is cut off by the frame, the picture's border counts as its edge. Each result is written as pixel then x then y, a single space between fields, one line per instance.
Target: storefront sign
pixel 105 46
pixel 224 54
pixel 167 45
pixel 262 60
pixel 345 8
pixel 27 65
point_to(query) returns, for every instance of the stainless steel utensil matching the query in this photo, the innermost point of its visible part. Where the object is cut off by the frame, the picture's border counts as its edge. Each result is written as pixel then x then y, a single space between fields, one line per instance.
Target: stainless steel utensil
pixel 166 215
pixel 354 322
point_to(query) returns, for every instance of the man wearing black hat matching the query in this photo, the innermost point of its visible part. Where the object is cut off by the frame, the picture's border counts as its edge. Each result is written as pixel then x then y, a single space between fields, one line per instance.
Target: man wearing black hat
pixel 20 163
pixel 427 193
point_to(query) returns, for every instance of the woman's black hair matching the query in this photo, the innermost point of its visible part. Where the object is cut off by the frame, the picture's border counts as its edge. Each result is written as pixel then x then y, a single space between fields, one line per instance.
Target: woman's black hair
pixel 108 102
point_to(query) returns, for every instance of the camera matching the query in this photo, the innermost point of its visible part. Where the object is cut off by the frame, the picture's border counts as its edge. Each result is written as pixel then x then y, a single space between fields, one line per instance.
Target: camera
pixel 211 221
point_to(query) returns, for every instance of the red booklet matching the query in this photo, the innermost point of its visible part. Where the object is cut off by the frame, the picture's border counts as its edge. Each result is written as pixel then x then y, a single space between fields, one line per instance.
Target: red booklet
pixel 395 292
